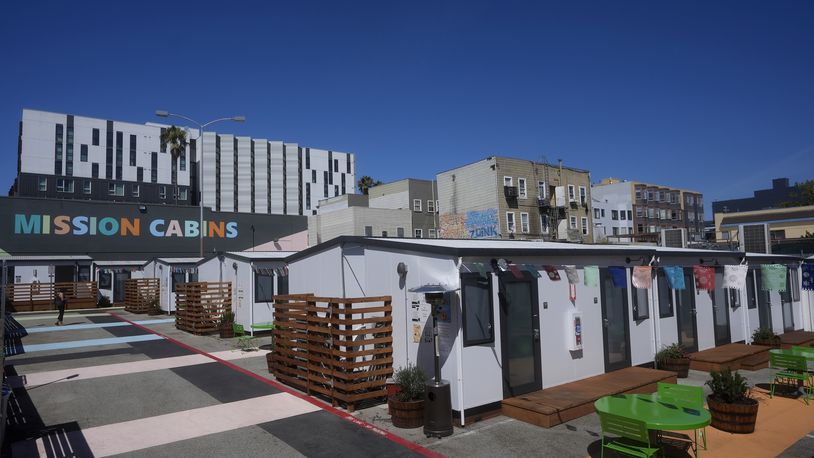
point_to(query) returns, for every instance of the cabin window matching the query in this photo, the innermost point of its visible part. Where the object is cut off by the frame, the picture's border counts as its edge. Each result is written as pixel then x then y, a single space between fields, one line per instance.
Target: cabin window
pixel 641 306
pixel 282 285
pixel 478 317
pixel 794 285
pixel 665 296
pixel 178 278
pixel 263 287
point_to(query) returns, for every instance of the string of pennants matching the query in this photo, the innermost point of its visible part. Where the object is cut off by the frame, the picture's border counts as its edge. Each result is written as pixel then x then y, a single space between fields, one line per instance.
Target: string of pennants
pixel 279 271
pixel 773 276
pixel 122 270
pixel 184 270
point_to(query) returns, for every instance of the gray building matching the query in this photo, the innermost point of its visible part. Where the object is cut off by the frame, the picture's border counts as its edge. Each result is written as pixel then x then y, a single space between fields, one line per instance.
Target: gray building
pixel 74 157
pixel 420 197
pixel 761 199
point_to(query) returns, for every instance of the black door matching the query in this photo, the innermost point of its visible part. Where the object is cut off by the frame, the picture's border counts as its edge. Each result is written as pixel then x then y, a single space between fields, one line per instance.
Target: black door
pixel 118 286
pixel 64 274
pixel 615 324
pixel 720 310
pixel 520 335
pixel 685 314
pixel 787 305
pixel 764 304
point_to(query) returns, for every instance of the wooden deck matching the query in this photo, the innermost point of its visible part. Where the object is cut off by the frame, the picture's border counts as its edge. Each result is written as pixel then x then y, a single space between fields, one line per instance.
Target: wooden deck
pixel 792 338
pixel 734 356
pixel 559 404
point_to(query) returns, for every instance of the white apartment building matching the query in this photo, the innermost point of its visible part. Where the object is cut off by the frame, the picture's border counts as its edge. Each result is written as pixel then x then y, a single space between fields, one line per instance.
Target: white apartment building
pixel 76 157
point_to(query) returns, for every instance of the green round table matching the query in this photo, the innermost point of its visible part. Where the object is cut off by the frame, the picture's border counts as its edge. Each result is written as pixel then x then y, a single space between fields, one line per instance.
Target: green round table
pixel 663 415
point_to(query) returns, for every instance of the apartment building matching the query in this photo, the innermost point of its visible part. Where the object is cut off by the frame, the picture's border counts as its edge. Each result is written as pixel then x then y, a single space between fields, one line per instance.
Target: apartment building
pixel 420 197
pixel 629 211
pixel 508 198
pixel 74 157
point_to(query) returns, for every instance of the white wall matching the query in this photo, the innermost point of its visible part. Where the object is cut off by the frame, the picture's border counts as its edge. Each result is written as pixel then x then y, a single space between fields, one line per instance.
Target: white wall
pixel 608 198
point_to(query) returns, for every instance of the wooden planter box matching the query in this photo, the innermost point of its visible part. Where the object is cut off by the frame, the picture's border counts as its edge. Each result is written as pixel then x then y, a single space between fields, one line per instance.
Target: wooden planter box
pixel 409 414
pixel 681 366
pixel 226 331
pixel 733 418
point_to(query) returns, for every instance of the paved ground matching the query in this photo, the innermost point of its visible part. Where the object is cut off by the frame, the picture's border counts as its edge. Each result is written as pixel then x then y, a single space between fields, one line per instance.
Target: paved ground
pixel 102 386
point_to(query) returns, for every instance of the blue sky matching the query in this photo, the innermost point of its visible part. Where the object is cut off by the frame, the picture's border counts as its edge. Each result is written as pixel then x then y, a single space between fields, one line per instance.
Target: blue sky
pixel 714 96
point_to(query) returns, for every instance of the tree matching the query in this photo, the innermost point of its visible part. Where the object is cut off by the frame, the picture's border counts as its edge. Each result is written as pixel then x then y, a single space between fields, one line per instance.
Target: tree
pixel 366 182
pixel 176 139
pixel 802 195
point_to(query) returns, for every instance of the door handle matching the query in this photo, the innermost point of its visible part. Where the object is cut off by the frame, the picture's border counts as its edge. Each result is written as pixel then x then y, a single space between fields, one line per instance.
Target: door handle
pixel 536 335
pixel 694 311
pixel 605 322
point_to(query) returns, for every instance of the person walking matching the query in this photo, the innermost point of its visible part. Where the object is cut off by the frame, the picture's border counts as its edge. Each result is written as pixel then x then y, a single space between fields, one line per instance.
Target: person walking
pixel 60 303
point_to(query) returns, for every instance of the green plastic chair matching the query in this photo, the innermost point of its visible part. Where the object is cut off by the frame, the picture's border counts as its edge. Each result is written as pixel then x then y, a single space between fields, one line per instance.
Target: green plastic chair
pixel 685 395
pixel 244 342
pixel 791 367
pixel 634 437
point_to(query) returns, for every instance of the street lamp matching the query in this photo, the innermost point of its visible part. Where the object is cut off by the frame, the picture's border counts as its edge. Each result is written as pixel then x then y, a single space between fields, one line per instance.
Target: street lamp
pixel 167 114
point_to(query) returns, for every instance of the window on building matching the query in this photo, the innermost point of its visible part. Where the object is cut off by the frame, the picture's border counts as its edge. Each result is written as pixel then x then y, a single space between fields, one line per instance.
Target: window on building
pixel 417 205
pixel 544 224
pixel 368 231
pixel 418 233
pixel 83 153
pixel 430 206
pixel 437 207
pixel 136 190
pixel 650 195
pixel 384 233
pixel 651 213
pixel 263 287
pixel 596 213
pixel 524 222
pixel 400 232
pixel 733 298
pixel 510 222
pixel 602 212
pixel 630 215
pixel 87 187
pixel 665 295
pixel 638 194
pixel 571 191
pixel 162 192
pixel 652 229
pixel 641 304
pixel 154 167
pixel 573 222
pixel 622 215
pixel 658 196
pixel 94 170
pixel 614 215
pixel 507 181
pixel 639 212
pixel 615 230
pixel 42 184
pixel 95 140
pixel 478 315
pixel 584 226
pixel 183 194
pixel 541 189
pixel 640 228
pixel 432 233
pixel 521 188
pixel 66 186
pixel 583 195
pixel 177 279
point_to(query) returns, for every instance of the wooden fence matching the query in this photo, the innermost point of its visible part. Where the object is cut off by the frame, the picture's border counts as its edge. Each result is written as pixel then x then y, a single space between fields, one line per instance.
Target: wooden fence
pixel 27 297
pixel 140 294
pixel 200 305
pixel 335 347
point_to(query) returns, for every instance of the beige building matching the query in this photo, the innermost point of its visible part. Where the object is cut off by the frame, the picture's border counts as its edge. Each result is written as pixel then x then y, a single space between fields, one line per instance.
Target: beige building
pixel 509 198
pixel 783 223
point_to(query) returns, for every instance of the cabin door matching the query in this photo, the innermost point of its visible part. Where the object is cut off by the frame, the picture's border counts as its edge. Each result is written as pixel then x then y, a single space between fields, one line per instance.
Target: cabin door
pixel 685 314
pixel 615 324
pixel 520 335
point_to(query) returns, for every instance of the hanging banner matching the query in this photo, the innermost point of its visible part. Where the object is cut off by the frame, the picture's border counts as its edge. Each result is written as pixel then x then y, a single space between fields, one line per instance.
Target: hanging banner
pixel 735 277
pixel 532 270
pixel 518 274
pixel 619 276
pixel 675 276
pixel 808 277
pixel 553 275
pixel 773 277
pixel 572 274
pixel 704 277
pixel 591 276
pixel 642 277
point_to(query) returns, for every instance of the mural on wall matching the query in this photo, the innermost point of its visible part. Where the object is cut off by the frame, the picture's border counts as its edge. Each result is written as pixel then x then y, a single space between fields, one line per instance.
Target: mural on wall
pixel 476 224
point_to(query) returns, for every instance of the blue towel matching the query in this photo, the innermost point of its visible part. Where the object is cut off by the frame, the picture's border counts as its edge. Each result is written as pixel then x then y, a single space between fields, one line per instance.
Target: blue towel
pixel 808 277
pixel 619 276
pixel 675 276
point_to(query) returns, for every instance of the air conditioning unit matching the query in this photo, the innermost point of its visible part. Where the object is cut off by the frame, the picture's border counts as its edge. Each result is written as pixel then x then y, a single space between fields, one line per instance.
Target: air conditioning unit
pixel 674 238
pixel 510 192
pixel 754 238
pixel 559 196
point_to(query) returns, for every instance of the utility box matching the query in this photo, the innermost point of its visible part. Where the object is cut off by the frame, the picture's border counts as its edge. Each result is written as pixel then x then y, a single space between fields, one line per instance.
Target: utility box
pixel 574 330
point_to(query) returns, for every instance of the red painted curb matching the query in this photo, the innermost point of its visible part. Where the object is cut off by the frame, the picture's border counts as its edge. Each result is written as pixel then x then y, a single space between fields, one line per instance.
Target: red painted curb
pixel 343 415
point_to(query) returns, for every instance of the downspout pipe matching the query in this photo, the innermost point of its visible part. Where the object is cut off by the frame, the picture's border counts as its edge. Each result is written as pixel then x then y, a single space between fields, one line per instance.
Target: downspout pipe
pixel 460 358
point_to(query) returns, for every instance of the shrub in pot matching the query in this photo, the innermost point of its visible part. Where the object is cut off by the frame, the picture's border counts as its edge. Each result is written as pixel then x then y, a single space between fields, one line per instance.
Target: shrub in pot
pixel 730 405
pixel 154 308
pixel 226 321
pixel 673 358
pixel 765 336
pixel 407 405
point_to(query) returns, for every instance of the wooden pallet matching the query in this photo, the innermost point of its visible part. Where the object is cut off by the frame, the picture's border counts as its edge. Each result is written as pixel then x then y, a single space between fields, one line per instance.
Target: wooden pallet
pixel 140 294
pixel 30 297
pixel 796 338
pixel 199 306
pixel 730 356
pixel 552 406
pixel 340 348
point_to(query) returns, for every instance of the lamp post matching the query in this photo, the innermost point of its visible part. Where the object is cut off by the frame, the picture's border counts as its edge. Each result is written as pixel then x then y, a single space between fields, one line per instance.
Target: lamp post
pixel 166 114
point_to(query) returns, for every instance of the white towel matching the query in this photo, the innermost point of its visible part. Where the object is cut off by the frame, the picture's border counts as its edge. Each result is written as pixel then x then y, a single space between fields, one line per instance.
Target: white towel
pixel 735 277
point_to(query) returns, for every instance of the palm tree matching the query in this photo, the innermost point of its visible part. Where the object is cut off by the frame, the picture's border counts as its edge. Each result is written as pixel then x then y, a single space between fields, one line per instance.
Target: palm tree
pixel 366 182
pixel 176 139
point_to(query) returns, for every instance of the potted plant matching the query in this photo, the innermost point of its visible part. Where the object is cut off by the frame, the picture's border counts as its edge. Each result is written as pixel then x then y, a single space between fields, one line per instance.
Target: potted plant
pixel 153 308
pixel 407 405
pixel 673 358
pixel 765 336
pixel 226 321
pixel 730 405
